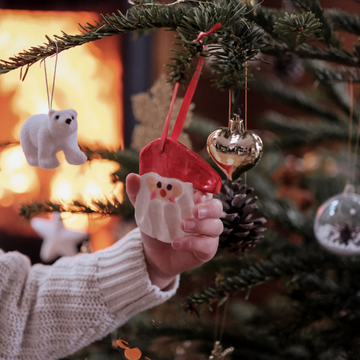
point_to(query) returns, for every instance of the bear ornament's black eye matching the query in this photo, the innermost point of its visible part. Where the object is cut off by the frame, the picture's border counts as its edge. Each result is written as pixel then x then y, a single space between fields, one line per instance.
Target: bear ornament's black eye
pixel 159 185
pixel 169 187
pixel 72 117
pixel 57 117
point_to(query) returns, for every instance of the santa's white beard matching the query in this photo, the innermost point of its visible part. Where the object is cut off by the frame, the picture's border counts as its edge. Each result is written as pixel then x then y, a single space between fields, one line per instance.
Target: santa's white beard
pixel 162 219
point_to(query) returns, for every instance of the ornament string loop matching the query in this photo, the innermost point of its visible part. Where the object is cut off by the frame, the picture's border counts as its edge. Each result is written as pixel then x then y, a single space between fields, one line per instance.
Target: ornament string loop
pixel 50 100
pixel 192 87
pixel 352 166
pixel 187 101
pixel 356 150
pixel 351 94
pixel 165 131
pixel 188 96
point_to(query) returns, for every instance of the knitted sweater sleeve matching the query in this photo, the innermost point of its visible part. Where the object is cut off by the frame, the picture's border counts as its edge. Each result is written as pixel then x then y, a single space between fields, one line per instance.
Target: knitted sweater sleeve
pixel 48 312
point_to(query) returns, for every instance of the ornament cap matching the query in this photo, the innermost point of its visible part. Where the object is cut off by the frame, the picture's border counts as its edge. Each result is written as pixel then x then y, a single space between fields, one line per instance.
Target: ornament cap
pixel 349 189
pixel 237 124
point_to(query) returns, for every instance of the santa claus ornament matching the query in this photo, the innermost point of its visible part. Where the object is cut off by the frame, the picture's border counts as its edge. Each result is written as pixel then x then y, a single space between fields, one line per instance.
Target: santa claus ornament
pixel 169 175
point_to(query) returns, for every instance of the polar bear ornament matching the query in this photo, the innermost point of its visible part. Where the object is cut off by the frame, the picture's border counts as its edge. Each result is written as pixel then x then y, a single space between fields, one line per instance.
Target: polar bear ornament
pixel 43 135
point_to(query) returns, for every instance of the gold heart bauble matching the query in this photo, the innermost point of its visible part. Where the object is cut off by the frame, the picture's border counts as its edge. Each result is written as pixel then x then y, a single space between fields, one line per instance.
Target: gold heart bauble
pixel 233 149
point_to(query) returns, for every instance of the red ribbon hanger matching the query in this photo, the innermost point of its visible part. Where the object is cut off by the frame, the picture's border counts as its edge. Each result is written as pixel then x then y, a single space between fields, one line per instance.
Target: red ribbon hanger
pixel 188 96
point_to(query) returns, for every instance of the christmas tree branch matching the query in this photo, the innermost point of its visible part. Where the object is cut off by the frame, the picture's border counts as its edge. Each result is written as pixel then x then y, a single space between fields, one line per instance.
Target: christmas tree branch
pixel 137 18
pixel 298 132
pixel 284 212
pixel 296 29
pixel 305 51
pixel 267 17
pixel 337 74
pixel 264 17
pixel 296 98
pixel 127 157
pixel 263 271
pixel 345 21
pixel 110 207
pixel 329 36
pixel 187 20
pixel 241 41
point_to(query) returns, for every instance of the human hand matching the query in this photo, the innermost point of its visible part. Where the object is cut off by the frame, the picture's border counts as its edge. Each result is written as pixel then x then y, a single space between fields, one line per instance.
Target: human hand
pixel 164 260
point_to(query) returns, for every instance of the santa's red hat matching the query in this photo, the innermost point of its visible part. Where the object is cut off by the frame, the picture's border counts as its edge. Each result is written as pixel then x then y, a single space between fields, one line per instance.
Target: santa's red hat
pixel 178 162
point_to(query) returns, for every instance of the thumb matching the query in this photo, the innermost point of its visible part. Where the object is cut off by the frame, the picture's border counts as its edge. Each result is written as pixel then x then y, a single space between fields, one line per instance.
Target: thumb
pixel 132 186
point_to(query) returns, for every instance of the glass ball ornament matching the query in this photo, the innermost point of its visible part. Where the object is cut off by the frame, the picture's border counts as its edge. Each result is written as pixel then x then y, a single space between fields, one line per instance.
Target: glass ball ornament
pixel 337 223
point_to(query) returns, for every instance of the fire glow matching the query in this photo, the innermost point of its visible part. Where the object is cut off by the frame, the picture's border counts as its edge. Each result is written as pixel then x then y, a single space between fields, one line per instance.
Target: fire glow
pixel 88 79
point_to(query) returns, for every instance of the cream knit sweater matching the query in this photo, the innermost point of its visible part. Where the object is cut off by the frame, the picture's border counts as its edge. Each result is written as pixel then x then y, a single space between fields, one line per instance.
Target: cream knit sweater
pixel 48 312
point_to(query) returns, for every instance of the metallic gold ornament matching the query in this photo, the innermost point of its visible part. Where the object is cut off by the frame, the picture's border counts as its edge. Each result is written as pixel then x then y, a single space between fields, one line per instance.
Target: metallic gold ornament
pixel 233 149
pixel 218 353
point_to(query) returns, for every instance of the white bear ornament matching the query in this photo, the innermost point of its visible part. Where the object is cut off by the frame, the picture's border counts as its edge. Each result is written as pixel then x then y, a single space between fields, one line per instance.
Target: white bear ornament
pixel 43 136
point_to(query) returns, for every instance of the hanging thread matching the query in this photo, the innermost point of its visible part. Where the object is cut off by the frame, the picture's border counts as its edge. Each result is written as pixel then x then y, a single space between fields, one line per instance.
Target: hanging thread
pixel 223 320
pixel 245 117
pixel 165 131
pixel 351 94
pixel 192 86
pixel 230 98
pixel 356 150
pixel 50 101
pixel 218 353
pixel 245 110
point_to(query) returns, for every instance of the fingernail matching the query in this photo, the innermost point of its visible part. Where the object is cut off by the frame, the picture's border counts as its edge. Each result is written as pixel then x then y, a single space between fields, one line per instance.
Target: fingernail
pixel 176 244
pixel 206 197
pixel 189 225
pixel 202 212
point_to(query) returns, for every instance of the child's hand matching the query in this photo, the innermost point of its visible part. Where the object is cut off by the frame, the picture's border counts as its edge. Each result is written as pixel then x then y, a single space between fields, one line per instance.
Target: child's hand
pixel 164 260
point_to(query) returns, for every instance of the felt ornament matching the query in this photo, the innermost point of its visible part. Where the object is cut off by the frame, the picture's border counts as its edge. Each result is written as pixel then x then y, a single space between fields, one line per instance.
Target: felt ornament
pixel 169 175
pixel 57 240
pixel 43 135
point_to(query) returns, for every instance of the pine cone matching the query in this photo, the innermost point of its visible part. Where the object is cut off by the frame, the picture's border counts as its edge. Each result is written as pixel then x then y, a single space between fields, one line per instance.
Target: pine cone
pixel 241 230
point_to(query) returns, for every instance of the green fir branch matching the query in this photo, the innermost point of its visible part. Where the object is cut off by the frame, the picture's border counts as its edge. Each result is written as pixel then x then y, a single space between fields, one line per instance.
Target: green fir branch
pixel 296 98
pixel 241 44
pixel 345 21
pixel 264 17
pixel 327 33
pixel 240 41
pixel 295 30
pixel 305 51
pixel 337 92
pixel 110 207
pixel 256 274
pixel 294 133
pixel 127 159
pixel 136 18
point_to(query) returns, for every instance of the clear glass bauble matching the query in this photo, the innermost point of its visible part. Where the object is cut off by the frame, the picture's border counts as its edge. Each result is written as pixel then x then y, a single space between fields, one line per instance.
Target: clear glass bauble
pixel 337 223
